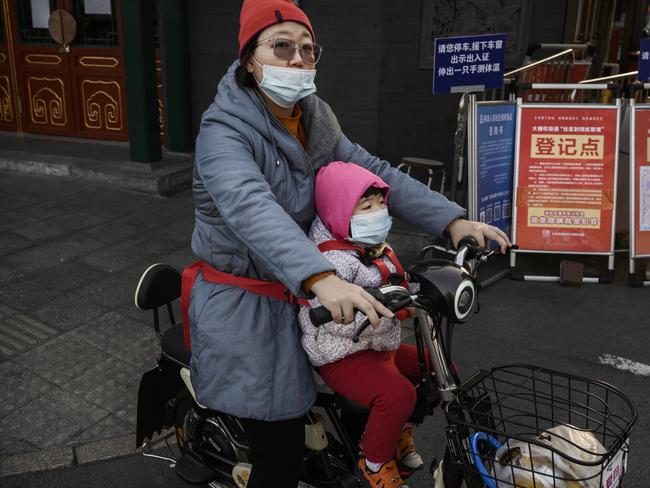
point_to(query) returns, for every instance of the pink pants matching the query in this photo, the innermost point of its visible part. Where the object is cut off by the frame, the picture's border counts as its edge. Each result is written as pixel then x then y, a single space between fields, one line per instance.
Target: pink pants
pixel 384 382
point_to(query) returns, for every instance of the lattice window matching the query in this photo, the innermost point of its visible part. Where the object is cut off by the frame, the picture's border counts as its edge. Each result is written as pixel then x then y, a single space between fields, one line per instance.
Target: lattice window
pixel 33 16
pixel 96 22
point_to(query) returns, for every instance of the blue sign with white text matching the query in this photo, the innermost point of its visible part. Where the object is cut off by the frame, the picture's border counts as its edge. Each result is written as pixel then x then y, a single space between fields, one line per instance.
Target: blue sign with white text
pixel 468 63
pixel 495 138
pixel 644 61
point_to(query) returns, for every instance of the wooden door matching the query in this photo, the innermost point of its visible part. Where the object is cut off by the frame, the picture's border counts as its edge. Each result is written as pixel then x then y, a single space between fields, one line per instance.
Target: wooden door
pixel 97 70
pixel 74 91
pixel 8 109
pixel 43 71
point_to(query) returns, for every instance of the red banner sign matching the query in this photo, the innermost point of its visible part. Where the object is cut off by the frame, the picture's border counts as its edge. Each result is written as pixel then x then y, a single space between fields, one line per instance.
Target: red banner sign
pixel 565 183
pixel 642 179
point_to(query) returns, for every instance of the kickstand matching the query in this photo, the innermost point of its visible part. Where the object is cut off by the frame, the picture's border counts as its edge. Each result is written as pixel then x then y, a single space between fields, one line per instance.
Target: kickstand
pixel 149 447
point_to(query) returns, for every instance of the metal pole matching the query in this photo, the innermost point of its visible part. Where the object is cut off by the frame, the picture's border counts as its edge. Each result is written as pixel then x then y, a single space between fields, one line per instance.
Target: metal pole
pixel 632 190
pixel 515 175
pixel 618 135
pixel 471 158
pixel 530 66
pixel 459 143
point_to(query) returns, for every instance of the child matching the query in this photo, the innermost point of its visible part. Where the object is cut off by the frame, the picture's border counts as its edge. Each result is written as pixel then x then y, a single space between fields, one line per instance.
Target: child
pixel 377 371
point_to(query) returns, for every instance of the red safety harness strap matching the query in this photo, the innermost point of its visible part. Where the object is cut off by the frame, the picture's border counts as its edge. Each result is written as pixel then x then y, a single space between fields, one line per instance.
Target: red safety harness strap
pixel 334 245
pixel 188 279
pixel 390 254
pixel 271 289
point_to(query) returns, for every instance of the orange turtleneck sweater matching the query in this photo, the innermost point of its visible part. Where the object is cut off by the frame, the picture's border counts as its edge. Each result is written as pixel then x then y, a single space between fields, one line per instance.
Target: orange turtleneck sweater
pixel 293 123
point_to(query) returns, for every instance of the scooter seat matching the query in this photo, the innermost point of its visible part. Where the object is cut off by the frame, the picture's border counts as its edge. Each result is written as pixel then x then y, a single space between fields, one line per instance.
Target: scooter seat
pixel 172 344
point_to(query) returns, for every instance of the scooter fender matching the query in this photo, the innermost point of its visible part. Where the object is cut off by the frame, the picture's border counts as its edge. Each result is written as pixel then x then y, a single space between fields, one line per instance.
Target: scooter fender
pixel 158 388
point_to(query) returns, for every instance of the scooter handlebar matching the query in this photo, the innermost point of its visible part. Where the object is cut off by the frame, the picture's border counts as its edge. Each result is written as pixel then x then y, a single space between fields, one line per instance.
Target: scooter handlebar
pixel 319 316
pixel 392 297
pixel 468 248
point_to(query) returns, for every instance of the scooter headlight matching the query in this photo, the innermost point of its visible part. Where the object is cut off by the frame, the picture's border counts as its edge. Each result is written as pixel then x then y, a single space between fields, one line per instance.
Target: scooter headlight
pixel 464 300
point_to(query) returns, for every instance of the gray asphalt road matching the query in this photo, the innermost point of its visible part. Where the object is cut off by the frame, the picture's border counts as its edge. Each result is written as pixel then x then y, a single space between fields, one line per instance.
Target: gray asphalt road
pixel 567 329
pixel 562 328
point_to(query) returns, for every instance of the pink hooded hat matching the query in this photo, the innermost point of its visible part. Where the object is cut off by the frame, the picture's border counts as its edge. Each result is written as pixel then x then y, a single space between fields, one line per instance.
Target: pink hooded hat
pixel 339 186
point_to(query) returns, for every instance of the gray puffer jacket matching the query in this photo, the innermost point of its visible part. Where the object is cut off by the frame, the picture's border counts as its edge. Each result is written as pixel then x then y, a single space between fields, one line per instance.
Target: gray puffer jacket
pixel 253 190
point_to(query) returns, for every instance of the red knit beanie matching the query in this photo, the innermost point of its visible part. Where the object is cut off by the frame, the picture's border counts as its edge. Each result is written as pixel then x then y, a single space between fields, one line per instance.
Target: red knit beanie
pixel 257 15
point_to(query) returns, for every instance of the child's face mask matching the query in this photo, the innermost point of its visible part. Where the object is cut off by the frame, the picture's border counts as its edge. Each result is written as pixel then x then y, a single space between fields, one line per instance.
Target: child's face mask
pixel 370 228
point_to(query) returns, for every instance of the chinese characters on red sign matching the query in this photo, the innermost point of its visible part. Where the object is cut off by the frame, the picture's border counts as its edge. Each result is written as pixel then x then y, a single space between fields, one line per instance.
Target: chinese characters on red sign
pixel 565 185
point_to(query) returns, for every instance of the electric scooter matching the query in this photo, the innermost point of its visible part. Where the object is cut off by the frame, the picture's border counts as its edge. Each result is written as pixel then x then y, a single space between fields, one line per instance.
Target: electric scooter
pixel 492 409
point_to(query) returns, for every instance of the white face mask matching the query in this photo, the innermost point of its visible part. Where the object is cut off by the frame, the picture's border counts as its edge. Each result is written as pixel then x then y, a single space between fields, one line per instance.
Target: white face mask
pixel 370 228
pixel 286 86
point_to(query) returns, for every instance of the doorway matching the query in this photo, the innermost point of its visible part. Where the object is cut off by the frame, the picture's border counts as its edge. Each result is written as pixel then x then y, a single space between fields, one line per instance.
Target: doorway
pixel 76 89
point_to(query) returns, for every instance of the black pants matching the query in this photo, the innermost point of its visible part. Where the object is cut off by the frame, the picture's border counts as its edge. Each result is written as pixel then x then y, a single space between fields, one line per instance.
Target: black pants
pixel 276 452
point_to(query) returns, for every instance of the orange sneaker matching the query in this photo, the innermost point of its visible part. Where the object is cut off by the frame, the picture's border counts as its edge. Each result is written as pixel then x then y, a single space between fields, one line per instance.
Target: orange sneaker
pixel 405 454
pixel 387 477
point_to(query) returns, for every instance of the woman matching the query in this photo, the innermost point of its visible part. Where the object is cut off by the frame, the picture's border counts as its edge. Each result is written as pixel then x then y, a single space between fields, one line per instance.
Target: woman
pixel 259 144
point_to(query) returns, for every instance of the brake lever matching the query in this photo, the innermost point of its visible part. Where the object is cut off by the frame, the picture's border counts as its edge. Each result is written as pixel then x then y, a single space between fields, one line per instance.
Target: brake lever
pixel 484 255
pixel 360 329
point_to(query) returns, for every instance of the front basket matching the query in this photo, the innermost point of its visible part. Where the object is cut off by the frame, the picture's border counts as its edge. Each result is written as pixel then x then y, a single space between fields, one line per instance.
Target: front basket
pixel 526 426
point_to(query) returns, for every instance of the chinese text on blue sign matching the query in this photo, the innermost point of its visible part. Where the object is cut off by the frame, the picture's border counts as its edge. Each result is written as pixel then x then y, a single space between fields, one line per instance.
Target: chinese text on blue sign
pixel 468 63
pixel 495 160
pixel 644 61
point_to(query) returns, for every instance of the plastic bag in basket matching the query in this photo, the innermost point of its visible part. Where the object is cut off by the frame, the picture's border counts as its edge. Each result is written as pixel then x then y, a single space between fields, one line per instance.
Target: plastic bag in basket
pixel 517 460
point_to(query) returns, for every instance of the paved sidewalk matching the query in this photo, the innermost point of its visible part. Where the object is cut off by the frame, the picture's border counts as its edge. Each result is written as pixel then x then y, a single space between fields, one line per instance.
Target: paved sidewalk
pixel 72 344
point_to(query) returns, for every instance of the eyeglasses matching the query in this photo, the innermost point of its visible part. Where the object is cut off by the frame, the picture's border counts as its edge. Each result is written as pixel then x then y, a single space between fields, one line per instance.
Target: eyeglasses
pixel 286 49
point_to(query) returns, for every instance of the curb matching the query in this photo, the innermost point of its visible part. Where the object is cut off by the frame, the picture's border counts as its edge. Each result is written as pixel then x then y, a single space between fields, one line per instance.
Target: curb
pixel 162 179
pixel 72 456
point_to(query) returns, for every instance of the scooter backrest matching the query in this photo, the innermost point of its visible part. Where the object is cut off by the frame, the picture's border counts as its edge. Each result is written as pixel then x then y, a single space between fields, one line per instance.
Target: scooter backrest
pixel 160 284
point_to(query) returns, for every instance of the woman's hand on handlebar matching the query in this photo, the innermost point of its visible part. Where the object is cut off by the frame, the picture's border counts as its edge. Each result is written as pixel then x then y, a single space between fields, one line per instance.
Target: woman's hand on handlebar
pixel 482 232
pixel 341 298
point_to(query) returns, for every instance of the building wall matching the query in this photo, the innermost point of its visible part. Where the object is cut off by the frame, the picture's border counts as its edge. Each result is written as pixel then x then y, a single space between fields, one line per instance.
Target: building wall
pixel 213 30
pixel 369 72
pixel 413 122
pixel 349 73
pixel 547 24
